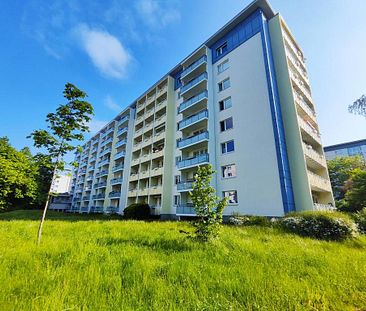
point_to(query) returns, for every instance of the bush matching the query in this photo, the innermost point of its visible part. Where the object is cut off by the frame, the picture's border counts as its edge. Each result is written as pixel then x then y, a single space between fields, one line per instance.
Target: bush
pixel 138 211
pixel 360 220
pixel 249 220
pixel 320 225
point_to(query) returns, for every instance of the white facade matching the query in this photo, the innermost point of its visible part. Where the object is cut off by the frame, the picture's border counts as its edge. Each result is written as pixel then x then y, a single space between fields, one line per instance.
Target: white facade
pixel 62 182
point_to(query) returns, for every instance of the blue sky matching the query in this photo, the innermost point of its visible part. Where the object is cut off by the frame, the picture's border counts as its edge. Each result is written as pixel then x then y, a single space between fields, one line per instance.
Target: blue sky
pixel 116 49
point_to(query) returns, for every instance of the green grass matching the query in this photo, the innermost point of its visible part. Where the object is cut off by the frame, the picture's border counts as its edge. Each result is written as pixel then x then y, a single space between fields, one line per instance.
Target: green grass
pixel 106 264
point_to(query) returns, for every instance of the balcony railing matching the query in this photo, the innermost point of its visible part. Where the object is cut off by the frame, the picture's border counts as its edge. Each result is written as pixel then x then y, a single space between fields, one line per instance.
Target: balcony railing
pixel 102 184
pixel 122 130
pixel 96 209
pixel 193 82
pixel 185 185
pixel 319 181
pixel 314 155
pixel 110 130
pixel 202 158
pixel 193 119
pixel 187 209
pixel 105 151
pixel 101 173
pixel 98 196
pixel 103 162
pixel 115 181
pixel 323 207
pixel 86 197
pixel 190 68
pixel 121 143
pixel 119 155
pixel 311 131
pixel 193 140
pixel 114 194
pixel 111 209
pixel 106 141
pixel 123 120
pixel 118 168
pixel 91 168
pixel 300 100
pixel 192 101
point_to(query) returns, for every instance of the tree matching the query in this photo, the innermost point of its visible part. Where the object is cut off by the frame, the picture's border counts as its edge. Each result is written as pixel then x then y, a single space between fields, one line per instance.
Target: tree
pixel 340 170
pixel 208 206
pixel 355 198
pixel 68 124
pixel 358 106
pixel 18 186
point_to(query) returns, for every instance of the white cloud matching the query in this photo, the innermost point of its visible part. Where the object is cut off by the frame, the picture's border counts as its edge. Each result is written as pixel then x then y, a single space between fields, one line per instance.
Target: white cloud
pixel 105 51
pixel 111 104
pixel 155 15
pixel 96 125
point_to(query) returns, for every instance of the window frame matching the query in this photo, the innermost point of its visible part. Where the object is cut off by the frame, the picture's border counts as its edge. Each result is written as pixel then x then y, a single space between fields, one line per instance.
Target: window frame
pixel 220 50
pixel 226 144
pixel 223 123
pixel 235 196
pixel 221 84
pixel 223 167
pixel 225 100
pixel 226 61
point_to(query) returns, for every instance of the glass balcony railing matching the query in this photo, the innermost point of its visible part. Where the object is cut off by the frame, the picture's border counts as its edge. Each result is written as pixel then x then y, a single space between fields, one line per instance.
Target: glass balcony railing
pixel 118 168
pixel 190 68
pixel 103 162
pixel 115 181
pixel 187 209
pixel 122 130
pixel 119 155
pixel 121 143
pixel 101 173
pixel 192 140
pixel 193 82
pixel 114 194
pixel 105 151
pixel 190 102
pixel 108 140
pixel 123 120
pixel 185 185
pixel 193 119
pixel 202 158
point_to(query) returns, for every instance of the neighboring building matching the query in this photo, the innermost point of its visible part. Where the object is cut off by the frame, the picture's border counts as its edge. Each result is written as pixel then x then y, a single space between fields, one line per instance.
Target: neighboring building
pixel 351 148
pixel 61 202
pixel 62 182
pixel 241 102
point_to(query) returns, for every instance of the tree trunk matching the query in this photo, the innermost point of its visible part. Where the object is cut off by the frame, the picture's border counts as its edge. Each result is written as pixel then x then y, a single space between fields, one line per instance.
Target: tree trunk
pixel 47 203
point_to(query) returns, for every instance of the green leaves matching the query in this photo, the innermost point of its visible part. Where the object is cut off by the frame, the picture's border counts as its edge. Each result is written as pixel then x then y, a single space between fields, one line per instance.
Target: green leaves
pixel 359 106
pixel 208 206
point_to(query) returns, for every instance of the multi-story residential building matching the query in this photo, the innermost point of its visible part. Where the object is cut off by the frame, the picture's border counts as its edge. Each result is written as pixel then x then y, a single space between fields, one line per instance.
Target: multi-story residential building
pixel 352 148
pixel 62 181
pixel 241 102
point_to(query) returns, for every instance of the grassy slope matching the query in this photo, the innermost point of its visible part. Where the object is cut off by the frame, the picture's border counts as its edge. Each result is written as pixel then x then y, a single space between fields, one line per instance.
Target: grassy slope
pixel 126 265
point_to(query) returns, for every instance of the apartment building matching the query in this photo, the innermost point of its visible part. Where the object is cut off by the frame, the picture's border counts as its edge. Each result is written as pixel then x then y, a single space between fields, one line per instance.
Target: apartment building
pixel 348 149
pixel 241 102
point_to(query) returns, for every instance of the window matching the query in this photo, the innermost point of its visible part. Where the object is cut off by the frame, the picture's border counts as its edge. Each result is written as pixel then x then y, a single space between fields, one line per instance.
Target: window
pixel 228 171
pixel 177 179
pixel 221 49
pixel 223 85
pixel 227 124
pixel 223 66
pixel 227 146
pixel 232 196
pixel 225 104
pixel 354 151
pixel 176 200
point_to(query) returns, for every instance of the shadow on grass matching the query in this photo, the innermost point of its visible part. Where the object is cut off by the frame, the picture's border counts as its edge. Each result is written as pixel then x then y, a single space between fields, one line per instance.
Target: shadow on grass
pixel 52 215
pixel 165 245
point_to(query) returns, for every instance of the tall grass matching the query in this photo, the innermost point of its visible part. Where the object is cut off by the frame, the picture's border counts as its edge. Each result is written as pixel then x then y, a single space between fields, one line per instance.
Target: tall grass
pixel 130 265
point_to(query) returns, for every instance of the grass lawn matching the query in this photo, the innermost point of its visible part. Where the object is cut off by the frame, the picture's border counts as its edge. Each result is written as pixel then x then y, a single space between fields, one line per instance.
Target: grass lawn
pixel 101 263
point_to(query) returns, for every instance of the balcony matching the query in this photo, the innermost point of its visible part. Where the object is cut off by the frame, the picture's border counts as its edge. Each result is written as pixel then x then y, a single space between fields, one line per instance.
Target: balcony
pixel 134 176
pixel 157 189
pixel 186 210
pixel 86 198
pixel 91 168
pixel 156 171
pixel 119 155
pixel 159 135
pixel 101 173
pixel 316 159
pixel 92 159
pixel 96 209
pixel 118 168
pixel 83 164
pixel 116 181
pixel 111 209
pixel 95 149
pixel 145 157
pixel 298 66
pixel 110 130
pixel 132 192
pixel 160 120
pixel 300 86
pixel 121 143
pixel 122 130
pixel 319 183
pixel 310 131
pixel 304 106
pixel 193 101
pixel 191 84
pixel 157 154
pixel 295 50
pixel 114 195
pixel 190 141
pixel 191 162
pixel 185 185
pixel 106 141
pixel 100 185
pixel 103 162
pixel 123 120
pixel 105 151
pixel 89 178
pixel 203 115
pixel 144 174
pixel 323 207
pixel 193 66
pixel 143 191
pixel 99 196
pixel 135 161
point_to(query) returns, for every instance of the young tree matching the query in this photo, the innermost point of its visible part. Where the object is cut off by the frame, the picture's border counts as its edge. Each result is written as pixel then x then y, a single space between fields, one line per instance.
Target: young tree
pixel 359 106
pixel 208 206
pixel 355 198
pixel 67 124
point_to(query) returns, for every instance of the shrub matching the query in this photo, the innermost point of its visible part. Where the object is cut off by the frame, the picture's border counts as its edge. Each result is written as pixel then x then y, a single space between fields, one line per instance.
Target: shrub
pixel 138 211
pixel 360 220
pixel 320 225
pixel 249 220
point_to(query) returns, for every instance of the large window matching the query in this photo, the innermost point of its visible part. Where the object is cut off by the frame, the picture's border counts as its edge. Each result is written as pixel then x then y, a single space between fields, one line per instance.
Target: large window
pixel 228 171
pixel 226 124
pixel 223 66
pixel 225 104
pixel 221 49
pixel 223 85
pixel 227 147
pixel 232 196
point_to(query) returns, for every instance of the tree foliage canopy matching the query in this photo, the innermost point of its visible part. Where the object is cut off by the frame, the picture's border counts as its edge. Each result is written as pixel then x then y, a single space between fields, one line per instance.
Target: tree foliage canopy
pixel 358 106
